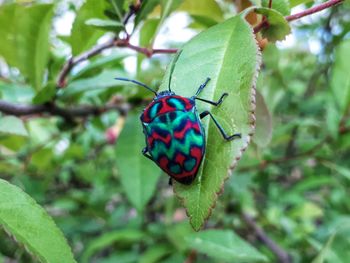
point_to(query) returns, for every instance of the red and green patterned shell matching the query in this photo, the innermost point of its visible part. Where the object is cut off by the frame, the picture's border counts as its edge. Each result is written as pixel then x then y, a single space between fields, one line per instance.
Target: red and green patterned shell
pixel 174 136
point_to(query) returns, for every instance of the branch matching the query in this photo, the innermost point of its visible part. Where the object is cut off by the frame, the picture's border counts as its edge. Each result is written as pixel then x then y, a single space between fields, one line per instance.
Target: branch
pixel 282 255
pixel 149 52
pixel 61 82
pixel 306 12
pixel 314 10
pixel 123 43
pixel 342 130
pixel 270 3
pixel 133 10
pixel 284 159
pixel 54 110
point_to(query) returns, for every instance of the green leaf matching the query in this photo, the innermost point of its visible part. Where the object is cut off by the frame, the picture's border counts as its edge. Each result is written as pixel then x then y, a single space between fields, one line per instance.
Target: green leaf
pixel 104 24
pixel 16 92
pixel 167 6
pixel 263 133
pixel 25 44
pixel 176 234
pixel 224 245
pixel 148 31
pixel 321 257
pixel 12 125
pixel 146 8
pixel 138 175
pixel 155 254
pixel 126 236
pixel 200 21
pixel 29 223
pixel 340 80
pixel 342 170
pixel 46 94
pixel 281 6
pixel 278 26
pixel 83 36
pixel 294 3
pixel 103 81
pixel 205 8
pixel 100 64
pixel 228 54
pixel 118 6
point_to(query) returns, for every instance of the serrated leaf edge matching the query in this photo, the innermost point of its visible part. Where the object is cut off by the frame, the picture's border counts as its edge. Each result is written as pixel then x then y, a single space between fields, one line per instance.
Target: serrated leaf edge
pixel 250 135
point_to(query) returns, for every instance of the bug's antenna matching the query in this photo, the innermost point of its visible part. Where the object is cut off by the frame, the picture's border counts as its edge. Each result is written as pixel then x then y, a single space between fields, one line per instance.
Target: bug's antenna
pixel 138 83
pixel 173 67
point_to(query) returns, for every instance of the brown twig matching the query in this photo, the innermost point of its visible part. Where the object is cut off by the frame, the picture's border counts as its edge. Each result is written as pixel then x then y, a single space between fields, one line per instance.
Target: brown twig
pixel 342 129
pixel 314 10
pixel 133 10
pixel 61 82
pixel 270 4
pixel 283 159
pixel 123 43
pixel 192 256
pixel 54 110
pixel 306 12
pixel 282 255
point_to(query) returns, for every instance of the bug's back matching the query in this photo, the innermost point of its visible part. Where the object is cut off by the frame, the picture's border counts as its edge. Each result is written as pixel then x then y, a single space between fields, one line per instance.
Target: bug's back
pixel 176 142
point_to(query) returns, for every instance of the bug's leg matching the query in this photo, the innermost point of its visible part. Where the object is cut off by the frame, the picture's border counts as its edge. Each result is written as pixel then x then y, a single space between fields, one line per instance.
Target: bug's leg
pixel 215 103
pixel 170 181
pixel 223 133
pixel 201 87
pixel 144 152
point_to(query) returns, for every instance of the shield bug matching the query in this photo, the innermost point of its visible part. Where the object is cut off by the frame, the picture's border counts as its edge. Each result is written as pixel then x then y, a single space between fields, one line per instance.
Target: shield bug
pixel 175 138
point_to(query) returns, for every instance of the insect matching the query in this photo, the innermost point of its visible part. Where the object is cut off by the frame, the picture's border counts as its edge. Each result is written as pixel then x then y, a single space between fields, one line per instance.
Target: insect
pixel 175 138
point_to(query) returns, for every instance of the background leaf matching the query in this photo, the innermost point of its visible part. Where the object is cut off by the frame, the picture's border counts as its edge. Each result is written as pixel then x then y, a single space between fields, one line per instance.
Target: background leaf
pixel 294 3
pixel 32 226
pixel 83 36
pixel 124 236
pixel 263 131
pixel 340 81
pixel 12 125
pixel 278 26
pixel 132 164
pixel 104 24
pixel 231 61
pixel 25 43
pixel 224 245
pixel 281 6
pixel 205 8
pixel 146 8
pixel 323 253
pixel 167 6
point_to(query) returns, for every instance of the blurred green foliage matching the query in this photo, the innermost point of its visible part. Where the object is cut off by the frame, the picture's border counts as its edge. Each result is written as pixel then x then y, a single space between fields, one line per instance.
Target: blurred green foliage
pixel 293 178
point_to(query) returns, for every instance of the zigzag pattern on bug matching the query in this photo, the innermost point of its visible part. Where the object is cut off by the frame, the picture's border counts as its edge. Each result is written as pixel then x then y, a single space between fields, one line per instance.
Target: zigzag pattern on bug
pixel 175 141
pixel 166 105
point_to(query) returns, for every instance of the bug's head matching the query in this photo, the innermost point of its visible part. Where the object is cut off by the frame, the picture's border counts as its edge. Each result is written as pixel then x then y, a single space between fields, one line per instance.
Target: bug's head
pixel 164 93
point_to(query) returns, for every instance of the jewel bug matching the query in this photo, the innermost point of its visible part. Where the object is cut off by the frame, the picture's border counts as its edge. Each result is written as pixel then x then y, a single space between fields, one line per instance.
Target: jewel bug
pixel 175 137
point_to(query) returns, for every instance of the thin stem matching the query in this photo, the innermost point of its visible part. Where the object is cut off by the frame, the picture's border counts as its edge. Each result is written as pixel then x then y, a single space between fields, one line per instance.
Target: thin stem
pixel 123 43
pixel 272 245
pixel 61 82
pixel 54 110
pixel 306 12
pixel 270 3
pixel 314 10
pixel 311 152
